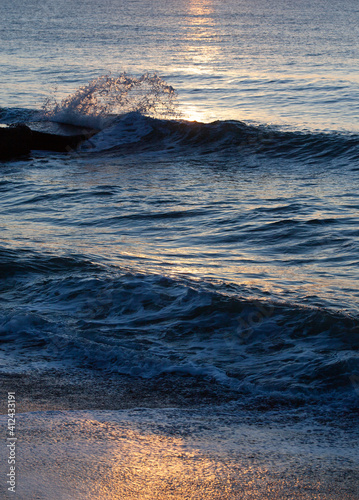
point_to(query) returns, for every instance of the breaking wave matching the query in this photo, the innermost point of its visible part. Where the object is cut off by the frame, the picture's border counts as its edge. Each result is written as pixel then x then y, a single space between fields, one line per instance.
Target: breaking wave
pixel 141 114
pixel 134 132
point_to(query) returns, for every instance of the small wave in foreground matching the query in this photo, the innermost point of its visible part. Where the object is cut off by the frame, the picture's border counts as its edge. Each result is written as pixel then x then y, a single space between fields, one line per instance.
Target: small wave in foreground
pixel 65 311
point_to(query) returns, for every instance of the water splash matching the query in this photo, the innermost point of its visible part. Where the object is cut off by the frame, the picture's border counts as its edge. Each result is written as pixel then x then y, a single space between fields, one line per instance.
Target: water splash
pixel 96 103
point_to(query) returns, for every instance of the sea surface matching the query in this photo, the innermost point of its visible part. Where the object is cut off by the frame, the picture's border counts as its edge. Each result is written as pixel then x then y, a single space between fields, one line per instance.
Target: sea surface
pixel 211 227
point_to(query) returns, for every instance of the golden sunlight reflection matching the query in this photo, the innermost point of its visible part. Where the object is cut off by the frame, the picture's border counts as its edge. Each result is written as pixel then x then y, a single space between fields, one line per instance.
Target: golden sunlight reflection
pixel 199 12
pixel 151 466
pixel 122 250
pixel 201 36
pixel 202 47
pixel 146 457
pixel 193 113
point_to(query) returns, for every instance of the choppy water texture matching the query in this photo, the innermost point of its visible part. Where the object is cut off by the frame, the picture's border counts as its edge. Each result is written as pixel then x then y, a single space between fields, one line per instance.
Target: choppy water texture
pixel 226 248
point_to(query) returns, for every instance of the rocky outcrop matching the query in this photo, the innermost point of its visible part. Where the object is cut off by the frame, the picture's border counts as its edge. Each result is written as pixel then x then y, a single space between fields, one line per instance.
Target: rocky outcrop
pixel 18 140
pixel 14 141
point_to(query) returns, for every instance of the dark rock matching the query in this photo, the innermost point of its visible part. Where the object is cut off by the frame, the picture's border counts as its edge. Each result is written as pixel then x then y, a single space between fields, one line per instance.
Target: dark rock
pixel 54 142
pixel 17 140
pixel 14 141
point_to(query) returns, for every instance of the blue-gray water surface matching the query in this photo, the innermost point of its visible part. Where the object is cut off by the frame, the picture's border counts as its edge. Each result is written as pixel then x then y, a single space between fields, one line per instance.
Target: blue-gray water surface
pixel 210 227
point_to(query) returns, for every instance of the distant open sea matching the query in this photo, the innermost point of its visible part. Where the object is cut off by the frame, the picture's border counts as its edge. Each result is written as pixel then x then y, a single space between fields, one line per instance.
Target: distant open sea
pixel 211 227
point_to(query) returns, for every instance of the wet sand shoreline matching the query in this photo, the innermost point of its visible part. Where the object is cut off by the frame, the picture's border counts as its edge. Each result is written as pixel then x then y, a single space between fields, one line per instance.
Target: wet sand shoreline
pixel 81 390
pixel 176 437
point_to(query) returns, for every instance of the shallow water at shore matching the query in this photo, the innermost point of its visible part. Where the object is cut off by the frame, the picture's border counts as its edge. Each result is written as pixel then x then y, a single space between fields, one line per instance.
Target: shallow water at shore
pixel 175 453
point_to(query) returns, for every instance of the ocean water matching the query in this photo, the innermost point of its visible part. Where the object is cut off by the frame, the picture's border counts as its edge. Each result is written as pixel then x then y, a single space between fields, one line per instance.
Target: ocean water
pixel 211 227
